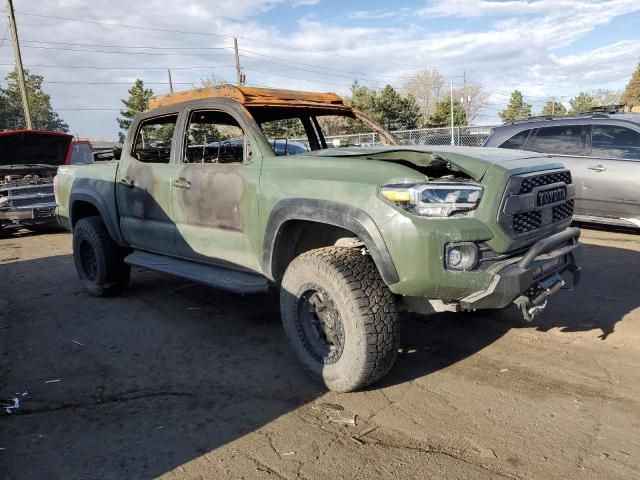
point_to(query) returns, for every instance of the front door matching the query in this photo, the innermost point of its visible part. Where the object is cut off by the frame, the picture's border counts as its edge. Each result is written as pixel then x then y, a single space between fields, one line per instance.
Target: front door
pixel 612 172
pixel 143 187
pixel 214 192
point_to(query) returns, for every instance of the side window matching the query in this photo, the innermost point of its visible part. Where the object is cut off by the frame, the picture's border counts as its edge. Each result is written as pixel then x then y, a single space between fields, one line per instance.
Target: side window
pixel 564 140
pixel 81 154
pixel 286 136
pixel 153 140
pixel 517 141
pixel 615 142
pixel 213 137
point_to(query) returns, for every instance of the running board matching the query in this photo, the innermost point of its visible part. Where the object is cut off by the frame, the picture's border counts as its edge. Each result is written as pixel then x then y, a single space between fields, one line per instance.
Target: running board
pixel 225 279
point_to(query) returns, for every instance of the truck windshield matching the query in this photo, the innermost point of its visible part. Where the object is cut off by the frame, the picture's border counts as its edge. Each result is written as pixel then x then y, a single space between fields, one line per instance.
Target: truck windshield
pixel 294 131
pixel 33 148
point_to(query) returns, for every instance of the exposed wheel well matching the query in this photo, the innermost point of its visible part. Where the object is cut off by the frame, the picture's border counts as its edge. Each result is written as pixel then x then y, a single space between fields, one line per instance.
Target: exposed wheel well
pixel 298 236
pixel 82 209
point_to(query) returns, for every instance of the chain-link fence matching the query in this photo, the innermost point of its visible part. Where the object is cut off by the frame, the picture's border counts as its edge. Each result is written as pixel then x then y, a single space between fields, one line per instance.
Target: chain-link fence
pixel 467 136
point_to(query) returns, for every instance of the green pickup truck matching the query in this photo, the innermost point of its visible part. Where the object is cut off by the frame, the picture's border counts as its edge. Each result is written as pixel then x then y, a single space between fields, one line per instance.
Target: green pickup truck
pixel 349 235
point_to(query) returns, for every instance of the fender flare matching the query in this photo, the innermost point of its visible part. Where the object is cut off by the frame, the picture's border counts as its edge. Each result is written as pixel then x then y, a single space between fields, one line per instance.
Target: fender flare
pixel 91 197
pixel 331 213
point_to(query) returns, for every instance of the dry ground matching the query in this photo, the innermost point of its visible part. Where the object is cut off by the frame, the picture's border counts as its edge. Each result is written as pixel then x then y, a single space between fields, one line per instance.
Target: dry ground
pixel 176 380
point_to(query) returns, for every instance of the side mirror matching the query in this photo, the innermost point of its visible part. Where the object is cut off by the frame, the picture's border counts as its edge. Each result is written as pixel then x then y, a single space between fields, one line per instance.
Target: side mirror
pixel 117 152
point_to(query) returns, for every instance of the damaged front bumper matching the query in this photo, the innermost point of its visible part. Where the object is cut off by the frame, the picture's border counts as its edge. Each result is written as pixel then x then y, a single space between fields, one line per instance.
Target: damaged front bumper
pixel 533 278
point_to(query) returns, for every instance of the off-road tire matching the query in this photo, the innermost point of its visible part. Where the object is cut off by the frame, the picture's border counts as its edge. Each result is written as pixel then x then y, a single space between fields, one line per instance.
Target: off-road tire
pixel 107 274
pixel 365 305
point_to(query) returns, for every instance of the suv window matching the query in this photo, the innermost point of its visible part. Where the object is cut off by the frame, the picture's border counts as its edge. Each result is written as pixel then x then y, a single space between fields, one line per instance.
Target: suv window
pixel 153 140
pixel 213 137
pixel 615 142
pixel 517 141
pixel 564 140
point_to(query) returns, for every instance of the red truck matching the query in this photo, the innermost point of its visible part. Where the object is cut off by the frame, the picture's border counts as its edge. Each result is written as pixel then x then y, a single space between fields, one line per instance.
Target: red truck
pixel 28 162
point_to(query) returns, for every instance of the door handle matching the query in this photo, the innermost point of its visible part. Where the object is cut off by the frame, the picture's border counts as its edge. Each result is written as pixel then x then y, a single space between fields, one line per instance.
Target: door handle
pixel 182 183
pixel 127 182
pixel 597 168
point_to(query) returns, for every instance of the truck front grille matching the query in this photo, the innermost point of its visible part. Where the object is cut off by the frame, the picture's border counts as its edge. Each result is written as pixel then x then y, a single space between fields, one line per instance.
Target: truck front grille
pixel 534 202
pixel 29 195
pixel 528 184
pixel 526 222
pixel 561 212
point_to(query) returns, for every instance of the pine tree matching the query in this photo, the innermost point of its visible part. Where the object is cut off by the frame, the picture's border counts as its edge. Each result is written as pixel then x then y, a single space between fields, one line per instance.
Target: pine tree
pixel 388 107
pixel 516 109
pixel 441 116
pixel 631 94
pixel 582 103
pixel 137 102
pixel 42 115
pixel 553 108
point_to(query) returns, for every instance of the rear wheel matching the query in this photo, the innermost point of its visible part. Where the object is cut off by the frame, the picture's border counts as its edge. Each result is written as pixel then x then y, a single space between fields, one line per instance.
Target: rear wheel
pixel 99 260
pixel 340 317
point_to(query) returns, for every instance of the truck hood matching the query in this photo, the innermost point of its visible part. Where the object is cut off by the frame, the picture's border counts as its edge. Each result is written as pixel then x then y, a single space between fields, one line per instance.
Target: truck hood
pixel 473 161
pixel 33 148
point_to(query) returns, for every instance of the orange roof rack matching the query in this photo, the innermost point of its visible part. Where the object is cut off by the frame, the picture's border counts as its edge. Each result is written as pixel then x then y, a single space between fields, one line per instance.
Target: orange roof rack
pixel 254 96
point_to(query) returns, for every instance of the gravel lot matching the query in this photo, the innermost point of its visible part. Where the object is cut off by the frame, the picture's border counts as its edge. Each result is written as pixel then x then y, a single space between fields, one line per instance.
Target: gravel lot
pixel 176 380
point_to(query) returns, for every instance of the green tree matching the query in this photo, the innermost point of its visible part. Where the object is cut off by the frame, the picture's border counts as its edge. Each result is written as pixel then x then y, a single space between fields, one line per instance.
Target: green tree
pixel 553 108
pixel 581 103
pixel 42 115
pixel 516 109
pixel 631 94
pixel 137 102
pixel 441 116
pixel 387 107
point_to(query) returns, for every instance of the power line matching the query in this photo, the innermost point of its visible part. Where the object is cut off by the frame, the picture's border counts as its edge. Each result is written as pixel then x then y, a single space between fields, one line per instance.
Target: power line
pixel 40 47
pixel 64 82
pixel 322 67
pixel 122 25
pixel 97 67
pixel 126 46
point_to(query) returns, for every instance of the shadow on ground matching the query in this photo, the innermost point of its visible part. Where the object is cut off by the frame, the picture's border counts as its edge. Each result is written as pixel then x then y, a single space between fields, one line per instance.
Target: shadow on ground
pixel 170 370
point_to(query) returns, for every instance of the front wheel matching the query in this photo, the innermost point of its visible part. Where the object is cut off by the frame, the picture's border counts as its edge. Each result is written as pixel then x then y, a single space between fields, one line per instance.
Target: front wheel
pixel 340 317
pixel 99 260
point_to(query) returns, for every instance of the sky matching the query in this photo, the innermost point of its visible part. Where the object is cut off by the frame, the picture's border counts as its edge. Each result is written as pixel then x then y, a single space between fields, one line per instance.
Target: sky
pixel 90 52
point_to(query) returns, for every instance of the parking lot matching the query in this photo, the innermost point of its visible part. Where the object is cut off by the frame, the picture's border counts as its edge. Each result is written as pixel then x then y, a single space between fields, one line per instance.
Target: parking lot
pixel 177 380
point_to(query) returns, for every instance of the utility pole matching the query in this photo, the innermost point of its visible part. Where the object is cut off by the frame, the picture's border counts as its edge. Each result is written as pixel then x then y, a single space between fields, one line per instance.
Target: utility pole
pixel 451 109
pixel 465 99
pixel 19 71
pixel 170 81
pixel 239 75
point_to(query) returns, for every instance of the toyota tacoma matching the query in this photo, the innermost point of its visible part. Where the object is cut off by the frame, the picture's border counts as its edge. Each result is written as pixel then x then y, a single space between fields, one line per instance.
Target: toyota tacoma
pixel 349 236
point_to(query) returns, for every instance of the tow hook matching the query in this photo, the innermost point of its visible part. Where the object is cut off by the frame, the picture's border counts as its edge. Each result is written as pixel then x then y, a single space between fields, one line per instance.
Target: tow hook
pixel 530 307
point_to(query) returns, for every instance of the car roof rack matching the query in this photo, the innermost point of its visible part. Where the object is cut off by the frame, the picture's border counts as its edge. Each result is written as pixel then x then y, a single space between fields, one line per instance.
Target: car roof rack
pixel 253 96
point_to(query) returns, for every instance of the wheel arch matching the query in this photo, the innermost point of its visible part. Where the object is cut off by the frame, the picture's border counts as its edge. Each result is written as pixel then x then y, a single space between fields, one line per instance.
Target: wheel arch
pixel 290 217
pixel 85 203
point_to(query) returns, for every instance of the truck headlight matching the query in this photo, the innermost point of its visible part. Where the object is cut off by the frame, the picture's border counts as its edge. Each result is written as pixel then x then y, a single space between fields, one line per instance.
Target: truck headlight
pixel 433 199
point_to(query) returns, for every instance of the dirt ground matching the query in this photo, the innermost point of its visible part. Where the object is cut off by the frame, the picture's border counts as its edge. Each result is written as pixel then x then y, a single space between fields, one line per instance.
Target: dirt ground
pixel 176 380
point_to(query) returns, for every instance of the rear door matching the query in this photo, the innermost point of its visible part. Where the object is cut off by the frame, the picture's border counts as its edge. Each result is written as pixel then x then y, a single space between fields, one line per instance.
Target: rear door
pixel 143 186
pixel 569 144
pixel 613 167
pixel 214 190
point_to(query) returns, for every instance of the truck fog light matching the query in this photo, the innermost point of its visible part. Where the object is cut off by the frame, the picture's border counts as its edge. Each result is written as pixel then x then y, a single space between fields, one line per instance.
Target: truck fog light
pixel 461 256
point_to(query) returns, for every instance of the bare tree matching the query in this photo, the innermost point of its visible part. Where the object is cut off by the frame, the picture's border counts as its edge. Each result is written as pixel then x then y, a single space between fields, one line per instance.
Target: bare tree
pixel 476 99
pixel 427 87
